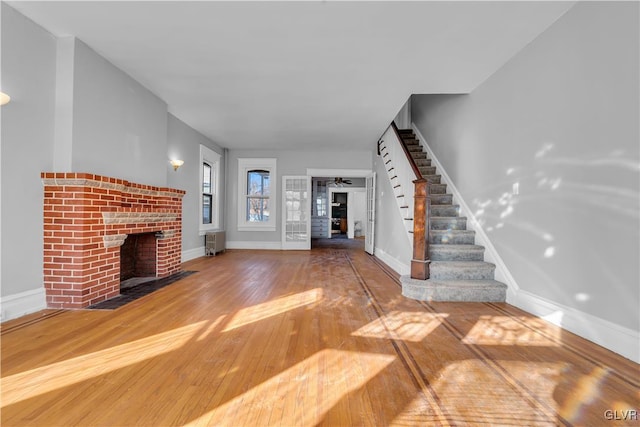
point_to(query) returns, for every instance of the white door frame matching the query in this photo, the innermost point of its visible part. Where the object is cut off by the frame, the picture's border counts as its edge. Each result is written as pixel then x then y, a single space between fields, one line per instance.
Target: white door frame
pixel 351 173
pixel 370 226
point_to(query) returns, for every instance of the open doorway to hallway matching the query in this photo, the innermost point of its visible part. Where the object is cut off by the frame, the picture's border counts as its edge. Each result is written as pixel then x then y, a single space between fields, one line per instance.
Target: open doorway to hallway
pixel 338 208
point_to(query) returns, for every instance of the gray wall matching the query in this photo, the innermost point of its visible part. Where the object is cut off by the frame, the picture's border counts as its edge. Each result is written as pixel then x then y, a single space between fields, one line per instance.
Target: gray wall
pixel 184 143
pixel 560 121
pixel 28 76
pixel 288 163
pixel 119 127
pixel 390 232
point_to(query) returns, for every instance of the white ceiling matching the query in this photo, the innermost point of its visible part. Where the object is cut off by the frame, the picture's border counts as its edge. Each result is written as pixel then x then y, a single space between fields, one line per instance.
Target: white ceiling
pixel 303 75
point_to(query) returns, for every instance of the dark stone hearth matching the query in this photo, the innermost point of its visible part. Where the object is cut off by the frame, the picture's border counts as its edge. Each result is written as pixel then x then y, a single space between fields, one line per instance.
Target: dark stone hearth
pixel 133 293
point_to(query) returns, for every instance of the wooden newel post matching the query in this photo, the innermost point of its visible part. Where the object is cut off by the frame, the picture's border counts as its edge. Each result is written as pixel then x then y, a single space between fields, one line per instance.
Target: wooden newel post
pixel 421 227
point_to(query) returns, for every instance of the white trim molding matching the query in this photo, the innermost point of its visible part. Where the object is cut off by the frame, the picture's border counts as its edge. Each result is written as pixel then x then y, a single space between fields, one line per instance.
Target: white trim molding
pixel 16 305
pixel 397 265
pixel 276 246
pixel 194 253
pixel 612 336
pixel 351 173
pixel 212 158
pixel 244 166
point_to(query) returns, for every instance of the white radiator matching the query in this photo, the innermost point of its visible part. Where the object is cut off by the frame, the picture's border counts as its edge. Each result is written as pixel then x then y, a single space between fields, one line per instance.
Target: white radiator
pixel 214 242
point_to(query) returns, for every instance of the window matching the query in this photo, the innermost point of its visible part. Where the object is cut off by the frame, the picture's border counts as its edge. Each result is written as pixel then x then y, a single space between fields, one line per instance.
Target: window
pixel 257 195
pixel 209 188
pixel 207 196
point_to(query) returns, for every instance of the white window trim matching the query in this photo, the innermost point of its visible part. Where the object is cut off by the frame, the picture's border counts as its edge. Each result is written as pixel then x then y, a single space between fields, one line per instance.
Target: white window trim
pixel 213 159
pixel 245 165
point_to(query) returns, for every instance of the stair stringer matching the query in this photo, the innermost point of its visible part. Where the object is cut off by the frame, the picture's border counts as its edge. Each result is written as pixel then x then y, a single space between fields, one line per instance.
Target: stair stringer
pixel 502 273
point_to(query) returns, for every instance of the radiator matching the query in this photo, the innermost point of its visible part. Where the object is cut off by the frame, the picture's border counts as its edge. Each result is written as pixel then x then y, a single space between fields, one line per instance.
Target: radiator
pixel 214 242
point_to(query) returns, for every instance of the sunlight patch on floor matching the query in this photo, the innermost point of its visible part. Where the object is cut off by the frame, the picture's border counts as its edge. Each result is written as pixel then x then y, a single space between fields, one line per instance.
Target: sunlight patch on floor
pixel 402 325
pixel 508 331
pixel 274 307
pixel 473 391
pixel 270 403
pixel 585 391
pixel 44 379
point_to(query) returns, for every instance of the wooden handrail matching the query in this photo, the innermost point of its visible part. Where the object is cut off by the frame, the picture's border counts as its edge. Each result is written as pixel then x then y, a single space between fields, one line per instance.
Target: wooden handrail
pixel 411 160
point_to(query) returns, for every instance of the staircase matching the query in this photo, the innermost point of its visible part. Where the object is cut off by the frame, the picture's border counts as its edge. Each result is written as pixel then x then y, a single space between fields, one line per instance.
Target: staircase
pixel 457 269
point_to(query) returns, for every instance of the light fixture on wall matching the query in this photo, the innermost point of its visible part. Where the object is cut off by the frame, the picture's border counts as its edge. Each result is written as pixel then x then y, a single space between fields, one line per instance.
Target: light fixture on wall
pixel 4 98
pixel 176 164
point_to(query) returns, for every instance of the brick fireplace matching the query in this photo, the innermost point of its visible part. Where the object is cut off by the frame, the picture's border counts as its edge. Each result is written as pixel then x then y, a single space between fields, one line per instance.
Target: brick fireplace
pixel 87 218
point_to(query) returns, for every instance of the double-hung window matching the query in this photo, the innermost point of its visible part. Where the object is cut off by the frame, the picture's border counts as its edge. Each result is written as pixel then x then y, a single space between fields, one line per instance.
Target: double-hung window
pixel 209 188
pixel 257 204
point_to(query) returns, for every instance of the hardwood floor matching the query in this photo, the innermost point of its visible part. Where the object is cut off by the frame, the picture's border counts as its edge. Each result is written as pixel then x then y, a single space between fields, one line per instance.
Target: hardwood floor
pixel 298 338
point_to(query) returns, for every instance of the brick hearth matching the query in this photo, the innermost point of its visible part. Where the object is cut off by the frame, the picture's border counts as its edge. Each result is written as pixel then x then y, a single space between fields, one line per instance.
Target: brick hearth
pixel 87 218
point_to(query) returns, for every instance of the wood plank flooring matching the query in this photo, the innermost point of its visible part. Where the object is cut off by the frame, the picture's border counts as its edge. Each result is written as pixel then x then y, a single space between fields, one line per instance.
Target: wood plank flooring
pixel 304 338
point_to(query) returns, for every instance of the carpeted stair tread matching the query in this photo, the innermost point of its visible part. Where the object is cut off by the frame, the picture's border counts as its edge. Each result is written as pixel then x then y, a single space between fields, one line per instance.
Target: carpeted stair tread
pixel 448 223
pixel 453 237
pixel 441 199
pixel 461 270
pixel 445 210
pixel 456 252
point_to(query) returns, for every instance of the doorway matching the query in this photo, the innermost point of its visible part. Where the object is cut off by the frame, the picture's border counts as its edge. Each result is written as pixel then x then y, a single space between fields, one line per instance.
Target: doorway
pixel 339 220
pixel 352 182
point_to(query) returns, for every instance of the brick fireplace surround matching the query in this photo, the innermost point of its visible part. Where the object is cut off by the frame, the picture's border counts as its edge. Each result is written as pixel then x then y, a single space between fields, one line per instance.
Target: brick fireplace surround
pixel 87 218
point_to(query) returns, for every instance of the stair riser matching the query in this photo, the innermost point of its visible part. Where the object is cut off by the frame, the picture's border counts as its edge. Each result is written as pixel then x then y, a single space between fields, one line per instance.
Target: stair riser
pixel 454 223
pixel 438 210
pixel 423 293
pixel 441 199
pixel 423 162
pixel 443 254
pixel 438 188
pixel 453 237
pixel 432 179
pixel 427 170
pixel 414 148
pixel 443 272
pixel 418 155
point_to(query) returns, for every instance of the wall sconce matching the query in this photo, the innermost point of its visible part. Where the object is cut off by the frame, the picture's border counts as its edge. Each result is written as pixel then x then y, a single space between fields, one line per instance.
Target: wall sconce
pixel 4 98
pixel 176 164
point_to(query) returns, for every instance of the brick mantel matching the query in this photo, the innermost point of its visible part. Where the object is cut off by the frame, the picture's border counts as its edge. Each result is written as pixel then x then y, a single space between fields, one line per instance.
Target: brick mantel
pixel 87 218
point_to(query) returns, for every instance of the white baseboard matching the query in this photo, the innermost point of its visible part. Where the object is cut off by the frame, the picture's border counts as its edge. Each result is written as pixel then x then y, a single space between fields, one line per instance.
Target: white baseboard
pixel 276 246
pixel 612 336
pixel 397 265
pixel 194 253
pixel 619 339
pixel 16 305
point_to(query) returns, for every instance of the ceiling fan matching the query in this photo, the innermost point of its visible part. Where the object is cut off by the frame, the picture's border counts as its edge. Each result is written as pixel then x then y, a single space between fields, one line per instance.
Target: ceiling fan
pixel 340 182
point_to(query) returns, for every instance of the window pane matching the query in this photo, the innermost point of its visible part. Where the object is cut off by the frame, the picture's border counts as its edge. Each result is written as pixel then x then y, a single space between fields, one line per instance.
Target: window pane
pixel 207 208
pixel 206 178
pixel 258 183
pixel 257 209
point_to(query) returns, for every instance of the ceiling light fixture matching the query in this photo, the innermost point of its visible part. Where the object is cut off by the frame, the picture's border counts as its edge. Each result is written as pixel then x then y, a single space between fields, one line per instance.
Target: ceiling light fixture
pixel 4 98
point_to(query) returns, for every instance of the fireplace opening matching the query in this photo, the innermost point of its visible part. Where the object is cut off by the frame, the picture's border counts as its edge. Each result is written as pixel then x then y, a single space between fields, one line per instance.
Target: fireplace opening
pixel 138 259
